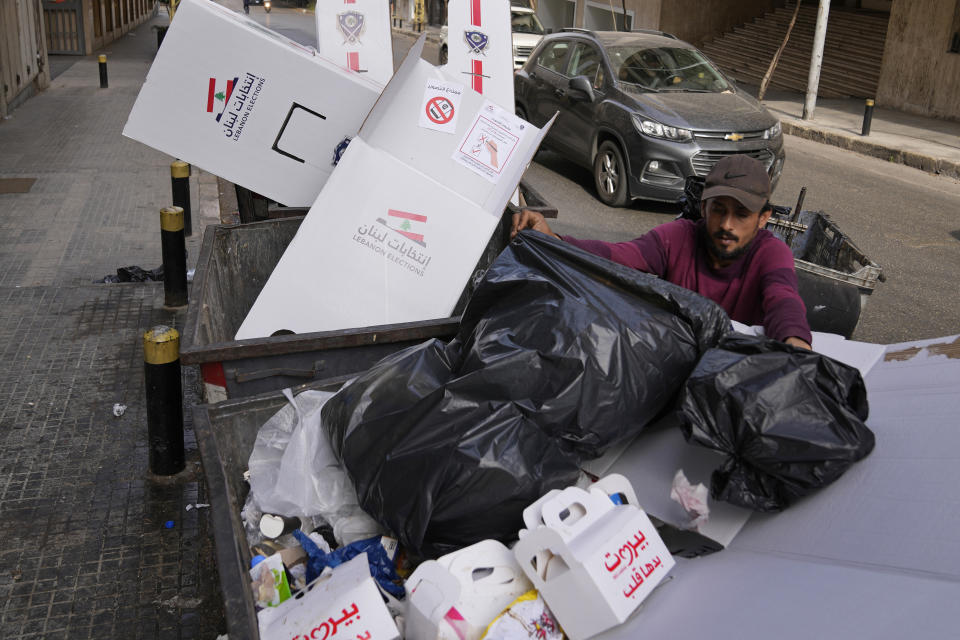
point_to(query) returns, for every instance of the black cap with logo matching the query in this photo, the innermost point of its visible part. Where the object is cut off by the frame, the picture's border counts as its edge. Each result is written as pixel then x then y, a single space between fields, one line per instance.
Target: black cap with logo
pixel 740 177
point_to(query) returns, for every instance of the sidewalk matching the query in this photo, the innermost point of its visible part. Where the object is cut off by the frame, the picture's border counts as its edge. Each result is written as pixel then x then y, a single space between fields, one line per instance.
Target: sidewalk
pixel 87 552
pixel 929 144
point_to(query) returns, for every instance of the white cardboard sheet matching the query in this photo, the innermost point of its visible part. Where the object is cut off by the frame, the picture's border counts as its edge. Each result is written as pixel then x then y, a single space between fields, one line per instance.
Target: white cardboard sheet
pixel 871 556
pixel 356 33
pixel 480 47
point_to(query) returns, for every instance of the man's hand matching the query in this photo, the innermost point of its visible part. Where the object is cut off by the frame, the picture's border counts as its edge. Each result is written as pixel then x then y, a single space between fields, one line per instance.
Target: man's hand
pixel 796 342
pixel 527 219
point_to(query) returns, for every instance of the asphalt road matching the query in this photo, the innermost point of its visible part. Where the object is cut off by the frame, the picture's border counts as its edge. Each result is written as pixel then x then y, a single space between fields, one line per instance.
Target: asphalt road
pixel 902 218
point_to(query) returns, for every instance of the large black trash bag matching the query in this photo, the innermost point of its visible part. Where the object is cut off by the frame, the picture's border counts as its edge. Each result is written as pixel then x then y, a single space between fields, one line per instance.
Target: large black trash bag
pixel 791 420
pixel 559 355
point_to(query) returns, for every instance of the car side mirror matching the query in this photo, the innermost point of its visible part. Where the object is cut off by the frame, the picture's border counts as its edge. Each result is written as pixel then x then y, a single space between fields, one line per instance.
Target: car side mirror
pixel 581 85
pixel 550 30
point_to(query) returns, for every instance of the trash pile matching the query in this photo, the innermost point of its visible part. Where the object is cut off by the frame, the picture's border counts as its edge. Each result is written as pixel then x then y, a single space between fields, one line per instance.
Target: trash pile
pixel 470 452
pixel 444 491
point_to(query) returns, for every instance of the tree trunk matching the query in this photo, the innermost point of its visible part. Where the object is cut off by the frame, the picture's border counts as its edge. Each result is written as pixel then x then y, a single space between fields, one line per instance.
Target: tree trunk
pixel 776 57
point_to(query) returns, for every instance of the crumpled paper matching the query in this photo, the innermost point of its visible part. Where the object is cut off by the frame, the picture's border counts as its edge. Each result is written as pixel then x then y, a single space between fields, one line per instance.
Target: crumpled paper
pixel 693 499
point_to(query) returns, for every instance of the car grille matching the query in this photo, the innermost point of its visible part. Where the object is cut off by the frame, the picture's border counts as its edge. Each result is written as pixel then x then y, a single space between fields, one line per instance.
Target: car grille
pixel 523 52
pixel 704 161
pixel 721 135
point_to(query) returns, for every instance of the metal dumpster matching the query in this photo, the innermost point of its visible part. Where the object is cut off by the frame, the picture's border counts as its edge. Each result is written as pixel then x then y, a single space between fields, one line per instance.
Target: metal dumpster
pixel 234 264
pixel 835 278
pixel 225 435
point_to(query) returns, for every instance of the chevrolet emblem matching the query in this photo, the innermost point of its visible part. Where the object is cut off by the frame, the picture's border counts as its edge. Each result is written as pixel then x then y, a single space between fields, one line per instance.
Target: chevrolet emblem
pixel 735 137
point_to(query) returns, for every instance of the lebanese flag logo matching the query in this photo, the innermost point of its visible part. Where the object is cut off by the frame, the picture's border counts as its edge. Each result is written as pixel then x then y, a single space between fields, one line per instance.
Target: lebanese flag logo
pixel 404 223
pixel 214 95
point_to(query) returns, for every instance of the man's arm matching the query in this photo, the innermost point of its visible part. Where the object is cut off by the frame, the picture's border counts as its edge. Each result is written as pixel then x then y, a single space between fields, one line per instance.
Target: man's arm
pixel 646 253
pixel 527 219
pixel 784 314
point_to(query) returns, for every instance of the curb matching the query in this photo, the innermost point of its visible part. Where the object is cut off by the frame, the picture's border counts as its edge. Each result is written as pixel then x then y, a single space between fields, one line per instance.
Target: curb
pixel 930 164
pixel 431 37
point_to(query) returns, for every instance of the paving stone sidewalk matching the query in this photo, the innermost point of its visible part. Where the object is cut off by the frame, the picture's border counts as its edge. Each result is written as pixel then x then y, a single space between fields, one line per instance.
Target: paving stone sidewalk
pixel 85 552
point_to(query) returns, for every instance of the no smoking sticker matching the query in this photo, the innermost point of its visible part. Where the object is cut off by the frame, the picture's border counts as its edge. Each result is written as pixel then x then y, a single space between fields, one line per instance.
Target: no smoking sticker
pixel 441 102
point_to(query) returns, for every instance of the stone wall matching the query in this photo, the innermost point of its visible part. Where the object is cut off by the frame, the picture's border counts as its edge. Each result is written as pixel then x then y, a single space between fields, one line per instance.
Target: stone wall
pixel 918 74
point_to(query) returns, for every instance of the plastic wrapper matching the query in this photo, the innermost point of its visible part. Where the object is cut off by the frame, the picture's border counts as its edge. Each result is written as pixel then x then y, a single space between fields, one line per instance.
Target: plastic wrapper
pixel 790 420
pixel 294 472
pixel 560 354
pixel 382 568
pixel 527 618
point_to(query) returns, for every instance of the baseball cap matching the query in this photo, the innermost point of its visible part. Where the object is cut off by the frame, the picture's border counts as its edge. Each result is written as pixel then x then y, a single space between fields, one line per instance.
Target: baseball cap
pixel 740 177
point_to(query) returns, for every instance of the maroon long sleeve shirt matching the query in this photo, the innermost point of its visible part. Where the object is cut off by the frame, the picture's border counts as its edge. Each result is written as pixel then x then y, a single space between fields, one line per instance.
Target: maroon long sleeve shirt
pixel 760 287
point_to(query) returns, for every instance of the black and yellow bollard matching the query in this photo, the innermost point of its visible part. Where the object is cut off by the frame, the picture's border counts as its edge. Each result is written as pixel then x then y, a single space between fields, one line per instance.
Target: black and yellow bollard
pixel 180 185
pixel 174 250
pixel 102 59
pixel 867 117
pixel 161 376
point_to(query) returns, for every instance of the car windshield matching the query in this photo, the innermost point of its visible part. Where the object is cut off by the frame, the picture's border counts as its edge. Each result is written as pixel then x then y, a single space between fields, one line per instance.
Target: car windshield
pixel 666 69
pixel 526 23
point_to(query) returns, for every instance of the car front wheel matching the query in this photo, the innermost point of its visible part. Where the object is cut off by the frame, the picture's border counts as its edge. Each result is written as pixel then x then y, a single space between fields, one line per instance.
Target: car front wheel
pixel 610 175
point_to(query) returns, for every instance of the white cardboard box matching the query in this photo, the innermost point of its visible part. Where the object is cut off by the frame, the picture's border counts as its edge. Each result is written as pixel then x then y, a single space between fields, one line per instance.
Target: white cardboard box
pixel 400 225
pixel 593 562
pixel 480 47
pixel 356 33
pixel 247 104
pixel 458 595
pixel 344 606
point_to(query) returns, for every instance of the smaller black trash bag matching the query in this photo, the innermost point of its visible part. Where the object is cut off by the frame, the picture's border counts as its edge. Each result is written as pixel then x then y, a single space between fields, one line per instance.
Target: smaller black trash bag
pixel 791 420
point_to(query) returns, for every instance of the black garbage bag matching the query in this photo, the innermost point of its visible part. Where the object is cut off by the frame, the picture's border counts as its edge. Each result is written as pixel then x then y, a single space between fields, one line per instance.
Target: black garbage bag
pixel 134 273
pixel 791 420
pixel 559 355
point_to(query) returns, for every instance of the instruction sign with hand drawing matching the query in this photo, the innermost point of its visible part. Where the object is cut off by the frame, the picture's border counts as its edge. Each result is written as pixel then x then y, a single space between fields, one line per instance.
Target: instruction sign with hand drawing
pixel 490 141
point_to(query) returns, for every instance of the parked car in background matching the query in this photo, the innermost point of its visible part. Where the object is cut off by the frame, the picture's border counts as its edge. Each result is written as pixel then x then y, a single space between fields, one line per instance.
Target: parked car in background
pixel 642 110
pixel 527 31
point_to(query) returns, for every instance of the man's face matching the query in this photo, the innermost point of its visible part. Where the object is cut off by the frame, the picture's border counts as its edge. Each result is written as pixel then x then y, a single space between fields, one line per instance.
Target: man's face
pixel 730 227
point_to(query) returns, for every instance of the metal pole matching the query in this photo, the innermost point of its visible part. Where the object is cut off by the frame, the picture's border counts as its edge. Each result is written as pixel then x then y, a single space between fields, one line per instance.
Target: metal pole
pixel 161 376
pixel 174 250
pixel 816 59
pixel 102 60
pixel 180 186
pixel 867 117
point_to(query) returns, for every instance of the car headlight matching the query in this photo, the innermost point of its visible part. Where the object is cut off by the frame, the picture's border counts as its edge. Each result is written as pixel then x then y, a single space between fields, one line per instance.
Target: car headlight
pixel 654 129
pixel 773 131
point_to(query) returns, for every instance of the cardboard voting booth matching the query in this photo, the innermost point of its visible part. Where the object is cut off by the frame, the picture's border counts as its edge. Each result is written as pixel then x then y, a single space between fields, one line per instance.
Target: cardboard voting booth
pixel 458 595
pixel 247 104
pixel 593 561
pixel 357 34
pixel 345 605
pixel 480 47
pixel 400 225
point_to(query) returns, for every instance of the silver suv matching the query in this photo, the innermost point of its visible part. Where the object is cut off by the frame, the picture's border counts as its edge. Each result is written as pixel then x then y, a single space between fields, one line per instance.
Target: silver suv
pixel 527 33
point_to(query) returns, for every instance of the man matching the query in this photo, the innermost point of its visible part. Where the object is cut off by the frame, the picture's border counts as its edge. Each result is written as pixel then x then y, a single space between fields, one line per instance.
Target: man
pixel 726 256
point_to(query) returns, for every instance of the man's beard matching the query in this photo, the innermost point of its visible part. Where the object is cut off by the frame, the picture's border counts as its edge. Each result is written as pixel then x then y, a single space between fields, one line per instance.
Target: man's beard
pixel 716 251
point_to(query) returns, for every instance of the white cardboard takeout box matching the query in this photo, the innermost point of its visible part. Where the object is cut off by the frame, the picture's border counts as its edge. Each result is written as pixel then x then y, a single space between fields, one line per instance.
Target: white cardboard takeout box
pixel 345 605
pixel 593 561
pixel 458 595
